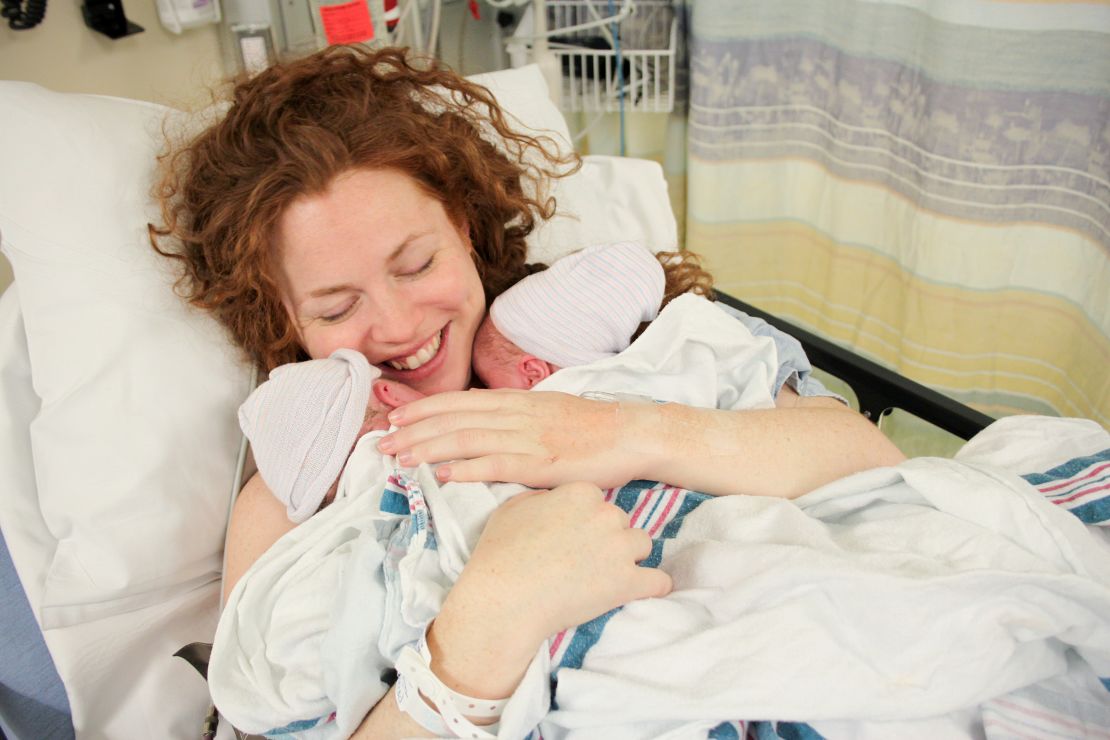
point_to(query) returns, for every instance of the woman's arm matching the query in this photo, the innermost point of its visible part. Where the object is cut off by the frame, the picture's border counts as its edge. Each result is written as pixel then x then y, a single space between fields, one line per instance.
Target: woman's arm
pixel 545 561
pixel 258 520
pixel 544 439
pixel 786 451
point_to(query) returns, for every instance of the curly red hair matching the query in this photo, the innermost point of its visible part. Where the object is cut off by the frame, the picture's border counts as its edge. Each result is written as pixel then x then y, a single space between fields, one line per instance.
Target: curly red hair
pixel 292 129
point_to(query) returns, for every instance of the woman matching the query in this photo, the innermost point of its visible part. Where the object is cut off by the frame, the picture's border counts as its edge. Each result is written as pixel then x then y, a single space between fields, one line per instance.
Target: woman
pixel 344 201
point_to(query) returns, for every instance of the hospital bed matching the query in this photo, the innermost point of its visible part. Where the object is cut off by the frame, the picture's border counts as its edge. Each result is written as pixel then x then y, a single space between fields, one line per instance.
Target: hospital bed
pixel 119 445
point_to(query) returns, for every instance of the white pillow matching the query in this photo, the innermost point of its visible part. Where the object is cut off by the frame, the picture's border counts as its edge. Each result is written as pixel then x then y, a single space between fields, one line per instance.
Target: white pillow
pixel 135 443
pixel 611 199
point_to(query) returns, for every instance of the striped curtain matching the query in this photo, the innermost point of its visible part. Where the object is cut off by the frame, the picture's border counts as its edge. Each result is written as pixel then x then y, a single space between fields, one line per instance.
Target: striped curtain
pixel 924 181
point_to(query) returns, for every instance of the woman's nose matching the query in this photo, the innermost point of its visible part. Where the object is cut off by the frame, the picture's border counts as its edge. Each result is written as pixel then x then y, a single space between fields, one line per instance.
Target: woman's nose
pixel 396 321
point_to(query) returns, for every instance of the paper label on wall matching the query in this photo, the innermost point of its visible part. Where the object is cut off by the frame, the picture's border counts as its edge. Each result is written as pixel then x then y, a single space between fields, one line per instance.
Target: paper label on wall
pixel 347 23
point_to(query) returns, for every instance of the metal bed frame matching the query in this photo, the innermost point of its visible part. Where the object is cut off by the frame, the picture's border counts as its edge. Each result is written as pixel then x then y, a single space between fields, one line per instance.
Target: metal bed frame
pixel 878 389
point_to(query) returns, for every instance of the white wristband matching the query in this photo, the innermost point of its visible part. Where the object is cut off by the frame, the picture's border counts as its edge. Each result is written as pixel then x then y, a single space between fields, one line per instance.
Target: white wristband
pixel 414 665
pixel 411 703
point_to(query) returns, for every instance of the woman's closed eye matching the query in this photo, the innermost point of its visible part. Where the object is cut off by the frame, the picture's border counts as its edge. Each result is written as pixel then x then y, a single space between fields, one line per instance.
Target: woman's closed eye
pixel 332 318
pixel 421 269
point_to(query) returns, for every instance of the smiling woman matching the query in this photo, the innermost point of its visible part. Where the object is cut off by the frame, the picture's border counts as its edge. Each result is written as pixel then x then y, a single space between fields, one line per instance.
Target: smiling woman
pixel 374 263
pixel 353 200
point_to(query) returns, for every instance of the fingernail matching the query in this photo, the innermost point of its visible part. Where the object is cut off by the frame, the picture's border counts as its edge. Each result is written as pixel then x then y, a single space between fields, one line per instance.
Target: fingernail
pixel 386 445
pixel 443 473
pixel 396 415
pixel 405 458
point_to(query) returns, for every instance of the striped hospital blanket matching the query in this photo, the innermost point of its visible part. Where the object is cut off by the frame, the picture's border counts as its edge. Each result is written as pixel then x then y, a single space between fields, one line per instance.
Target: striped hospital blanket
pixel 936 598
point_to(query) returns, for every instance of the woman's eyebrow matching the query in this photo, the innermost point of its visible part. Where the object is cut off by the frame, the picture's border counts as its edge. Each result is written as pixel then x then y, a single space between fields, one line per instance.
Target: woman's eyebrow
pixel 320 293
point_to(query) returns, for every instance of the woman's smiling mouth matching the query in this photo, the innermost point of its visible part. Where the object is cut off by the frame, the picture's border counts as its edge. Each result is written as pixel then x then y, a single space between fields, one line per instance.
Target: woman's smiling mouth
pixel 419 358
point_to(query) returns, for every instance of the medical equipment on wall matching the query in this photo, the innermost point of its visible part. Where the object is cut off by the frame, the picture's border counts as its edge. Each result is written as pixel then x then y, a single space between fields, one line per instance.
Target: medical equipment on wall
pixel 23 14
pixel 271 30
pixel 601 56
pixel 610 55
pixel 181 15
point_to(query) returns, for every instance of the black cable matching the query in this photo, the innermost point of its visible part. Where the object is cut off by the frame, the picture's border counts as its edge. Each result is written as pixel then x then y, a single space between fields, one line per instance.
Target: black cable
pixel 20 18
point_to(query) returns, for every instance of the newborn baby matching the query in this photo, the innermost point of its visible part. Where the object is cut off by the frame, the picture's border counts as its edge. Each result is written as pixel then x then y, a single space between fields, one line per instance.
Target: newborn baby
pixel 304 422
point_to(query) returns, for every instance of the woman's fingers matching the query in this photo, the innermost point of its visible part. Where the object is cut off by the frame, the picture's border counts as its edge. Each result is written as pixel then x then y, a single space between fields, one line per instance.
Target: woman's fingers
pixel 651 583
pixel 454 434
pixel 454 401
pixel 499 468
pixel 529 437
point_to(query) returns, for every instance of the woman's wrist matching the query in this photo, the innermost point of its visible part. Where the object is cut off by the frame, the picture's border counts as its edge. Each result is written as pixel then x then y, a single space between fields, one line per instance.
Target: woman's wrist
pixel 641 443
pixel 477 648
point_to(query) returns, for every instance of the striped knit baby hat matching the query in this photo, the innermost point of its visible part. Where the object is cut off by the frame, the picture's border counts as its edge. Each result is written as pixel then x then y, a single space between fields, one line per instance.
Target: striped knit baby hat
pixel 583 308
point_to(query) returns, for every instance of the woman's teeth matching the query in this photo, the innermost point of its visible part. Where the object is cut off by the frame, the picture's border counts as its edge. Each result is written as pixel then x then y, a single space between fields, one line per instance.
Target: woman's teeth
pixel 427 352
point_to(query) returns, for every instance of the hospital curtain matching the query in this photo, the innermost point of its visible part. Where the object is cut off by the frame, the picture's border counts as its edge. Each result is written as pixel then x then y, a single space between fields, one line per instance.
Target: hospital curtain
pixel 924 181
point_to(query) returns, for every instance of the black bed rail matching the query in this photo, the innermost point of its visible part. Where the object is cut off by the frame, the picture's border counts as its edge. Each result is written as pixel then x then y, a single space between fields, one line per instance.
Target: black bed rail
pixel 878 389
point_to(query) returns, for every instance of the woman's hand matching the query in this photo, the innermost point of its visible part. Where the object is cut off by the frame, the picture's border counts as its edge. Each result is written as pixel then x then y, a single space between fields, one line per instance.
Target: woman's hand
pixel 541 439
pixel 547 560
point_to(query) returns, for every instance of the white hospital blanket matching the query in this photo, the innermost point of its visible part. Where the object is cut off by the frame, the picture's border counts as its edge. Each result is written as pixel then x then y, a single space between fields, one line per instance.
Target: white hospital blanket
pixel 912 598
pixel 693 353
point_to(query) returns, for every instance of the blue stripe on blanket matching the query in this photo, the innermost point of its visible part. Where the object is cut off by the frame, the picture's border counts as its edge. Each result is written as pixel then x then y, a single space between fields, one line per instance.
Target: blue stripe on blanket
pixel 628 498
pixel 724 731
pixel 1076 487
pixel 691 501
pixel 1105 683
pixel 785 730
pixel 1095 512
pixel 394 502
pixel 298 726
pixel 1068 469
pixel 585 637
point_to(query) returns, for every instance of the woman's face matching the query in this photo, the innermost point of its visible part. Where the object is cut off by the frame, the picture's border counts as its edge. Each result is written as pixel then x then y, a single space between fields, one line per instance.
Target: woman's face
pixel 374 264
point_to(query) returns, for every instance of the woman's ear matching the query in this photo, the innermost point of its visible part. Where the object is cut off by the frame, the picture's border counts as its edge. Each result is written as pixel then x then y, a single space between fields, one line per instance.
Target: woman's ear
pixel 532 369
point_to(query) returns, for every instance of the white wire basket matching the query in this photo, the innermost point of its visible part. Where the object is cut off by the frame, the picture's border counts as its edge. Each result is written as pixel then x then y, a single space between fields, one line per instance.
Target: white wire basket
pixel 613 54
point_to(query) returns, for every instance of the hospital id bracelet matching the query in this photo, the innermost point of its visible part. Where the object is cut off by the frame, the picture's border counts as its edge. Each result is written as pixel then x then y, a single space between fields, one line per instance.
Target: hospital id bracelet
pixel 414 665
pixel 411 703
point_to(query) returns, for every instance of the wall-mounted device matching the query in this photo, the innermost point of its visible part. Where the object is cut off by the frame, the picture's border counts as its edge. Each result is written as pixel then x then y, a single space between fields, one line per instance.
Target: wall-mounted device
pixel 264 31
pixel 107 17
pixel 181 15
pixel 23 14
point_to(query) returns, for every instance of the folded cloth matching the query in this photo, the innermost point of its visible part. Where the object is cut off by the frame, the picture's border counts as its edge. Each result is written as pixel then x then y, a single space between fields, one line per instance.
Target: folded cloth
pixel 584 307
pixel 302 423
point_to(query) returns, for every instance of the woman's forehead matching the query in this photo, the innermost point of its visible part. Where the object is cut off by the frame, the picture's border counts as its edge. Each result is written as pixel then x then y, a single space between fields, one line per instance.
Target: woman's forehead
pixel 365 217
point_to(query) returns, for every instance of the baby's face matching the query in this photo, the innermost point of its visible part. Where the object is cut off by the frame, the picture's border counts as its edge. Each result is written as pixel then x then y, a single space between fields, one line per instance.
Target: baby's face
pixel 495 359
pixel 494 374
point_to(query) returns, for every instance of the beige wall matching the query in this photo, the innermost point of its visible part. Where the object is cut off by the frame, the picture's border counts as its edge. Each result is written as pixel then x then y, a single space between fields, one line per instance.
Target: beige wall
pixel 63 54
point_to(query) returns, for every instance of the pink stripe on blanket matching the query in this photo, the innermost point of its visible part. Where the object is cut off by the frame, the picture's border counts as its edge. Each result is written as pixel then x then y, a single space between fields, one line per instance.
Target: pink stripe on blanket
pixel 1037 711
pixel 1090 474
pixel 1081 494
pixel 663 517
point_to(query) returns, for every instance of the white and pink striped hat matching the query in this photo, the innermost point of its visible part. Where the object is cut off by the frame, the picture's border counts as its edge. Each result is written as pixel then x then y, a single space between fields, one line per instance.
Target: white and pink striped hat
pixel 583 308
